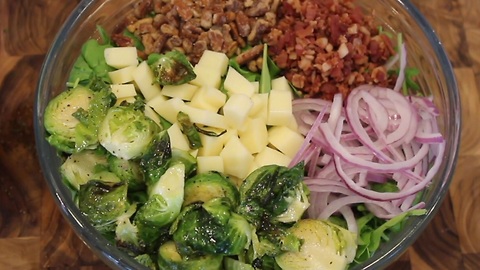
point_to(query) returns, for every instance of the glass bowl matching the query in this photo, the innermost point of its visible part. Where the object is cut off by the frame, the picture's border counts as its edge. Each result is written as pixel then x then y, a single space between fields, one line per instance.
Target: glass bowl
pixel 424 51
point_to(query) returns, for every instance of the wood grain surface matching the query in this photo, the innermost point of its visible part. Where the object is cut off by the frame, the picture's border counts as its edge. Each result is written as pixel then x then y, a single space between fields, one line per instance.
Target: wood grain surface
pixel 33 233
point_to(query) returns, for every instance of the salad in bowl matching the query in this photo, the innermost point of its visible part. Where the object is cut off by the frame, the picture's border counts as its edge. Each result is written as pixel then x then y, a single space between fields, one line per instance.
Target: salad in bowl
pixel 261 134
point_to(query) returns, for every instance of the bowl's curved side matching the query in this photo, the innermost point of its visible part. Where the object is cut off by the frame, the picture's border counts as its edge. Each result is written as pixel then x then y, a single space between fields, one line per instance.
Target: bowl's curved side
pixel 49 84
pixel 441 83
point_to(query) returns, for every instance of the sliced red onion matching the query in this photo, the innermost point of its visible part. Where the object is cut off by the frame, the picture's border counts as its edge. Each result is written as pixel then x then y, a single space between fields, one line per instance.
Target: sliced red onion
pixel 378 135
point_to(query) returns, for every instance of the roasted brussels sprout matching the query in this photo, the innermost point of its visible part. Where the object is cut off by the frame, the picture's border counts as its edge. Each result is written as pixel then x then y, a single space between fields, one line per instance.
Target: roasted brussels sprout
pixel 59 121
pixel 325 246
pixel 127 170
pixel 164 204
pixel 171 68
pixel 169 258
pixel 126 132
pixel 274 191
pixel 218 230
pixel 206 186
pixel 103 203
pixel 81 167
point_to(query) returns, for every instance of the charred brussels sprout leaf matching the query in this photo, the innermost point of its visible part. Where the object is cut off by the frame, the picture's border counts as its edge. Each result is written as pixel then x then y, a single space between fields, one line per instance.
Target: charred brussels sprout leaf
pixel 171 68
pixel 102 203
pixel 155 161
pixel 206 186
pixel 146 260
pixel 189 130
pixel 126 132
pixel 169 258
pixel 218 230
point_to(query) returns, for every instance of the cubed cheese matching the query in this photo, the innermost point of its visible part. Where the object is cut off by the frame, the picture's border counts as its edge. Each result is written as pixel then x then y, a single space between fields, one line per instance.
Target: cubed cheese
pixel 260 106
pixel 237 160
pixel 236 110
pixel 125 99
pixel 216 61
pixel 120 57
pixel 235 83
pixel 281 83
pixel 285 140
pixel 205 117
pixel 210 163
pixel 255 135
pixel 123 75
pixel 208 98
pixel 177 139
pixel 211 145
pixel 279 107
pixel 144 79
pixel 150 113
pixel 123 90
pixel 256 87
pixel 206 76
pixel 271 156
pixel 168 109
pixel 183 91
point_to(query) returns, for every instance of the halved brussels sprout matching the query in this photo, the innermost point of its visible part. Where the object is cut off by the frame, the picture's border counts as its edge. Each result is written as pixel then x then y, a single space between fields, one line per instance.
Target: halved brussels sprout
pixel 59 121
pixel 206 186
pixel 169 258
pixel 126 132
pixel 325 246
pixel 218 230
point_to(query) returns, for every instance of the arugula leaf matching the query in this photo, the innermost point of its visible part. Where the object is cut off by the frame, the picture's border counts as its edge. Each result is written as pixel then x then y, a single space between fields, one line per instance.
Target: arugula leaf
pixel 90 64
pixel 372 231
pixel 247 74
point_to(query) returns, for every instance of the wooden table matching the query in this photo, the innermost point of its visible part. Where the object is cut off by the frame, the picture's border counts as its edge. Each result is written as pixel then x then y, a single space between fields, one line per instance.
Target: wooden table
pixel 33 233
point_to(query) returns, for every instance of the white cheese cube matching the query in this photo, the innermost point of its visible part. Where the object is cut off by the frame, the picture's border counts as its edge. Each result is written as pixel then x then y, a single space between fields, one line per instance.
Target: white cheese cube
pixel 150 113
pixel 255 135
pixel 292 123
pixel 214 60
pixel 281 83
pixel 260 106
pixel 205 117
pixel 168 109
pixel 211 145
pixel 235 83
pixel 237 160
pixel 183 91
pixel 208 98
pixel 145 80
pixel 236 110
pixel 157 100
pixel 206 76
pixel 123 75
pixel 256 87
pixel 279 107
pixel 177 139
pixel 120 57
pixel 123 90
pixel 126 99
pixel 271 156
pixel 211 163
pixel 285 140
